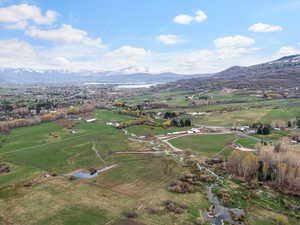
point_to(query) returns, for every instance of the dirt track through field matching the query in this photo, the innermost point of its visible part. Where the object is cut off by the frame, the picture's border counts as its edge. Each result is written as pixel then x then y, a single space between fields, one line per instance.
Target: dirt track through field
pixel 97 153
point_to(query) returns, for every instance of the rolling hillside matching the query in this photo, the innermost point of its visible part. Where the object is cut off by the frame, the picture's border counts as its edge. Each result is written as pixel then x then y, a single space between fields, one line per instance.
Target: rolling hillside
pixel 278 74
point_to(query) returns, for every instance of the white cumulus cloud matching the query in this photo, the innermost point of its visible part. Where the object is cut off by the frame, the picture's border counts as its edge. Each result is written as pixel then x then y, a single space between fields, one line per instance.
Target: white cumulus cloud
pixel 24 12
pixel 17 26
pixel 129 52
pixel 287 50
pixel 17 53
pixel 234 42
pixel 126 56
pixel 170 39
pixel 187 19
pixel 65 34
pixel 264 28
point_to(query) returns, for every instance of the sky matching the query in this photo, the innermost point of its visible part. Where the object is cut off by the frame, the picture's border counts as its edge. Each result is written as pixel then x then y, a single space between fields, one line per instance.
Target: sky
pixel 181 36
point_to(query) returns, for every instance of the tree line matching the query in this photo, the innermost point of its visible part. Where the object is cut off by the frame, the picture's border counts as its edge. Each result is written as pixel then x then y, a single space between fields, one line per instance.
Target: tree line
pixel 277 165
pixel 6 126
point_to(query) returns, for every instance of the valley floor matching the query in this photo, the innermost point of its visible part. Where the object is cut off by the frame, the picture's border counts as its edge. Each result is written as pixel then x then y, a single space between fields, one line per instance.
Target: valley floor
pixel 39 189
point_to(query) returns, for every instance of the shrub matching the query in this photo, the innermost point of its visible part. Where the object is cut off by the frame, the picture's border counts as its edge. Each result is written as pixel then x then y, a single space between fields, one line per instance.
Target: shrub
pixel 130 214
pixel 281 219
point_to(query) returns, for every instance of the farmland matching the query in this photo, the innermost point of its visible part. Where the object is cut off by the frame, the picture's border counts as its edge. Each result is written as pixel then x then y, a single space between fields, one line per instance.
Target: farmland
pixel 42 158
pixel 204 145
pixel 32 154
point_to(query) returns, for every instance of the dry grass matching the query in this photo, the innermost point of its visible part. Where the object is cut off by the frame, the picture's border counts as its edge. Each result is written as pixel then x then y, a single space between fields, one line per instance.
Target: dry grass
pixel 233 118
pixel 52 197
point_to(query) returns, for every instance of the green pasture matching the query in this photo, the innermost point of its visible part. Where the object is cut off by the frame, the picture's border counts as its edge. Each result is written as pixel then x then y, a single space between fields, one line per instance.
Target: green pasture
pixel 206 145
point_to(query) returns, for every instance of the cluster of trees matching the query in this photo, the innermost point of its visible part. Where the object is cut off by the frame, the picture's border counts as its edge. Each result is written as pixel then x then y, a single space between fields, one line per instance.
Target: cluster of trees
pixel 181 123
pixel 171 115
pixel 137 122
pixel 6 106
pixel 292 123
pixel 121 104
pixel 52 116
pixel 130 112
pixel 47 105
pixel 278 165
pixel 272 95
pixel 242 164
pixel 297 123
pixel 48 117
pixel 6 126
pixel 83 109
pixel 264 129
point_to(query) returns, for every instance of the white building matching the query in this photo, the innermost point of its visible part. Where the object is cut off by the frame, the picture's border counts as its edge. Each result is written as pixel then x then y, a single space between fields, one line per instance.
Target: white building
pixel 91 120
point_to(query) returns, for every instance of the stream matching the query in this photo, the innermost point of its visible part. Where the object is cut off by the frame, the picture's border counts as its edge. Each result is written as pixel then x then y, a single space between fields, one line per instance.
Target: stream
pixel 221 213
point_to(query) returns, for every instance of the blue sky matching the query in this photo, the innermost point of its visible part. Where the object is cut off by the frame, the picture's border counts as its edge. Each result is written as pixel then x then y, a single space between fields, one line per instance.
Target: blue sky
pixel 191 36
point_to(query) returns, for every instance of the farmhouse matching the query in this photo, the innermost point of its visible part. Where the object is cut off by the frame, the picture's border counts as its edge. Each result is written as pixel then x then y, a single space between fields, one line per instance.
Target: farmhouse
pixel 196 113
pixel 194 131
pixel 177 133
pixel 74 118
pixel 241 129
pixel 116 125
pixel 91 120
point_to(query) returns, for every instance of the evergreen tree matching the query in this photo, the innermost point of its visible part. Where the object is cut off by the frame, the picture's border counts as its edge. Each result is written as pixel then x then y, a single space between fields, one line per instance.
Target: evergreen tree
pixel 188 122
pixel 259 130
pixel 167 115
pixel 182 123
pixel 266 130
pixel 174 123
pixel 298 123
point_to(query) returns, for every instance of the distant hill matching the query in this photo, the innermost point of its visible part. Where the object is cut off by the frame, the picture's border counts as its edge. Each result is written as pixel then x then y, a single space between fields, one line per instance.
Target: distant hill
pixel 30 76
pixel 280 73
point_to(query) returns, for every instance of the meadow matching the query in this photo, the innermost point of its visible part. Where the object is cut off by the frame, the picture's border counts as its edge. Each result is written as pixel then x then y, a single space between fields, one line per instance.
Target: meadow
pixel 139 182
pixel 206 145
pixel 31 153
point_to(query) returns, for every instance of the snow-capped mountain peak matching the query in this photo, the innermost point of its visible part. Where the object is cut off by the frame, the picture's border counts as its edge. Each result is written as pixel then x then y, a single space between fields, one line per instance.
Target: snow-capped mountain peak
pixel 133 70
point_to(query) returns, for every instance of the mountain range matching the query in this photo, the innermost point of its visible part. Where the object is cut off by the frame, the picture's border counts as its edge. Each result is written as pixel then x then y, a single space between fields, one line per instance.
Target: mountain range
pixel 283 72
pixel 125 76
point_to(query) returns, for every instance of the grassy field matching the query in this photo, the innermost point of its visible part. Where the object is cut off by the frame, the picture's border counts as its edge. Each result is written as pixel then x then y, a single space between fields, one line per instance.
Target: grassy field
pixel 66 154
pixel 109 116
pixel 92 202
pixel 204 145
pixel 138 184
pixel 275 135
pixel 179 97
pixel 244 117
pixel 287 104
pixel 246 142
pixel 31 152
pixel 172 98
